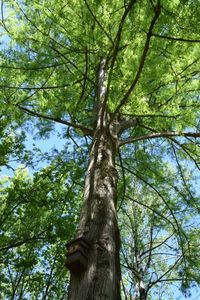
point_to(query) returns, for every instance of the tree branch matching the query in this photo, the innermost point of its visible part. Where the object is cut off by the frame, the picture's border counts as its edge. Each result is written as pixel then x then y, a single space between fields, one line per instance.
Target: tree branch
pixel 182 147
pixel 124 181
pixel 168 271
pixel 96 20
pixel 53 41
pixel 176 38
pixel 114 51
pixel 157 246
pixel 149 259
pixel 179 229
pixel 153 210
pixel 86 130
pixel 158 135
pixel 181 172
pixel 14 244
pixel 142 60
pixel 31 68
pixel 2 16
pixel 34 87
pixel 126 122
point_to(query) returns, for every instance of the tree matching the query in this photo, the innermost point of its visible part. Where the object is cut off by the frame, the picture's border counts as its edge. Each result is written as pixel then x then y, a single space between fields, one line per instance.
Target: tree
pixel 151 259
pixel 122 76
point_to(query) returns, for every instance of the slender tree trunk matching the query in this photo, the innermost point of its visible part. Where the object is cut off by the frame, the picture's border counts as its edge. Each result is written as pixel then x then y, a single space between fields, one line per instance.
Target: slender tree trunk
pixel 98 222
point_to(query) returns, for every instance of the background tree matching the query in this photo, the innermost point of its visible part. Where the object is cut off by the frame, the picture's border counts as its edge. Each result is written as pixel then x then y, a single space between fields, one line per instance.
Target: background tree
pixel 122 77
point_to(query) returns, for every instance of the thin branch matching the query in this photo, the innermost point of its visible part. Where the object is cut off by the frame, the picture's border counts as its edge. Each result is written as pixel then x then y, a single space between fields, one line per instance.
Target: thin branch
pixel 157 246
pixel 124 290
pixel 179 229
pixel 169 270
pixel 116 47
pixel 49 281
pixel 96 20
pixel 177 39
pixel 35 91
pixel 53 41
pixel 152 209
pixel 166 134
pixel 70 62
pixel 151 116
pixel 187 152
pixel 125 122
pixel 165 202
pixel 181 171
pixel 85 76
pixel 34 87
pixel 28 240
pixel 31 68
pixel 132 268
pixel 142 60
pixel 150 249
pixel 2 16
pixel 10 212
pixel 20 278
pixel 171 279
pixel 85 130
pixel 188 66
pixel 124 181
pixel 71 138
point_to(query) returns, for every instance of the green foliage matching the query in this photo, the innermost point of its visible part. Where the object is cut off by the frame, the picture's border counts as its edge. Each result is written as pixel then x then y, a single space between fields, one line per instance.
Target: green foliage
pixel 38 216
pixel 50 53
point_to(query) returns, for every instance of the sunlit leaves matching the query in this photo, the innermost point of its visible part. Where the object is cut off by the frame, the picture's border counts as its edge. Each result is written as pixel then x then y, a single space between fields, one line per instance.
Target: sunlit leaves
pixel 40 212
pixel 50 54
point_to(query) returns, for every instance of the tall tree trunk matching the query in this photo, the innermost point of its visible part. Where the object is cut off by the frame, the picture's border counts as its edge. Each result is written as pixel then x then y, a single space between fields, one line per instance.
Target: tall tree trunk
pixel 98 222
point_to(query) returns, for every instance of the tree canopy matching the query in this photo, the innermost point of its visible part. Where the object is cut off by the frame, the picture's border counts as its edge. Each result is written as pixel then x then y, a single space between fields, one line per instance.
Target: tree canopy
pixel 51 55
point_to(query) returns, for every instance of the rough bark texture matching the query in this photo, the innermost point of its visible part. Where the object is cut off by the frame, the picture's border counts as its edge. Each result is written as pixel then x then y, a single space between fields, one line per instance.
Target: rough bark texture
pixel 98 222
pixel 99 225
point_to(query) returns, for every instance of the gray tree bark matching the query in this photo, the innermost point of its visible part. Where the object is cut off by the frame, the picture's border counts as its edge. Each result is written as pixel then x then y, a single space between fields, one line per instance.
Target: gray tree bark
pixel 98 221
